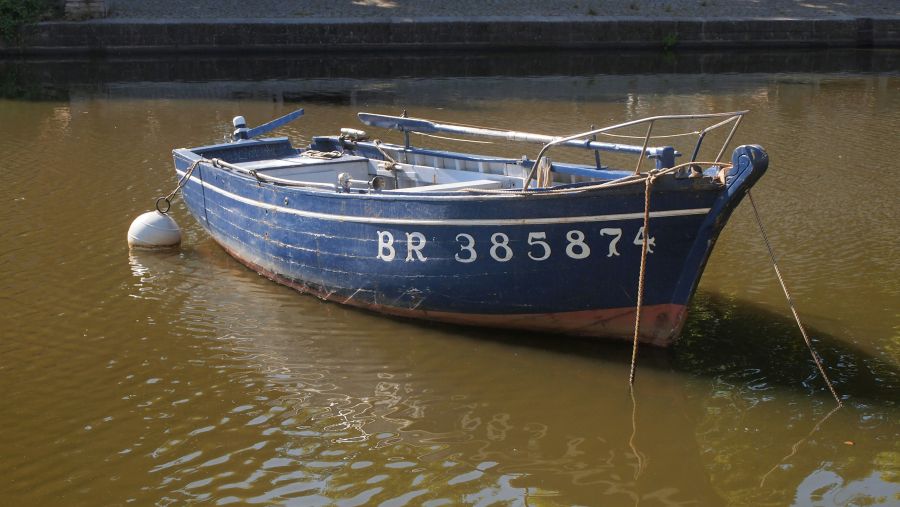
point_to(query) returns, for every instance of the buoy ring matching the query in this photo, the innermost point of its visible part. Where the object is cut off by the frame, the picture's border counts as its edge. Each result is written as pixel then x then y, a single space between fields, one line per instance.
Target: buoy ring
pixel 168 205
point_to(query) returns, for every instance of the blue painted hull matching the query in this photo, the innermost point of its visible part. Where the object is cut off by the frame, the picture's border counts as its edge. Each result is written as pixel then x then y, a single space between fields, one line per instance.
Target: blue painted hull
pixel 566 263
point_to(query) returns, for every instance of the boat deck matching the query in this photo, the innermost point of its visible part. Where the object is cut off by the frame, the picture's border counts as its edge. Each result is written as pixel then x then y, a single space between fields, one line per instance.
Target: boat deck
pixel 311 167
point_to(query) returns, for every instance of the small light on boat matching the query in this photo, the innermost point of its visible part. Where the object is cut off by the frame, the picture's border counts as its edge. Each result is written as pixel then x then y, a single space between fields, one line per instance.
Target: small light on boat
pixel 377 183
pixel 154 230
pixel 344 181
pixel 354 134
pixel 240 128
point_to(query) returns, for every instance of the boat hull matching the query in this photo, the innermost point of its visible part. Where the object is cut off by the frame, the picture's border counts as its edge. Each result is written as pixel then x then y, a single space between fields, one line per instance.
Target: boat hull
pixel 563 263
pixel 660 324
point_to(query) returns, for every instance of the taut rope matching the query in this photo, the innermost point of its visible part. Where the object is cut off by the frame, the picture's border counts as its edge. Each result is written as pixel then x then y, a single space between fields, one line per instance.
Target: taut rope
pixel 790 302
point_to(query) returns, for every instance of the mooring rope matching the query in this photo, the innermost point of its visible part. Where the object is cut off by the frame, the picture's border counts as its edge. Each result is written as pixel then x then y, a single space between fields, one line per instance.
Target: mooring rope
pixel 323 155
pixel 377 144
pixel 790 302
pixel 640 294
pixel 181 182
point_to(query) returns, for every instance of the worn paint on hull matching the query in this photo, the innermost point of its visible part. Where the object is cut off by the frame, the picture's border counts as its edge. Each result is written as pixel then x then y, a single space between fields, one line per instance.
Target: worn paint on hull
pixel 660 324
pixel 565 263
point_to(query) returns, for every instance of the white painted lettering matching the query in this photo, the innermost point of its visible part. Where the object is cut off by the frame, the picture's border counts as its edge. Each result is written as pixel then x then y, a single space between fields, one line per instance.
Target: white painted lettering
pixel 639 240
pixel 536 238
pixel 468 247
pixel 415 248
pixel 386 250
pixel 576 242
pixel 500 243
pixel 616 233
pixel 501 250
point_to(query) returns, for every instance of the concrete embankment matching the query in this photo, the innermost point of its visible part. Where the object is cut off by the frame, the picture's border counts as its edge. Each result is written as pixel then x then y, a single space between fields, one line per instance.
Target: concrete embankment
pixel 120 36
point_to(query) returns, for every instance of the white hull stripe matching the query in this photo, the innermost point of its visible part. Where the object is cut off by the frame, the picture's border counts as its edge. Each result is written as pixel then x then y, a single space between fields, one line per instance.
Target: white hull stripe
pixel 451 221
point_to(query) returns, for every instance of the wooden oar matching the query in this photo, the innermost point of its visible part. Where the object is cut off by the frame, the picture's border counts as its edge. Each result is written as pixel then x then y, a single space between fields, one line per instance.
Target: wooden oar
pixel 274 124
pixel 428 126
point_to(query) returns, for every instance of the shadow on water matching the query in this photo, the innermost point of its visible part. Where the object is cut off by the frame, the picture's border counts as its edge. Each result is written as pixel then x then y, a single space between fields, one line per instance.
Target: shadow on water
pixel 734 340
pixel 743 428
pixel 724 338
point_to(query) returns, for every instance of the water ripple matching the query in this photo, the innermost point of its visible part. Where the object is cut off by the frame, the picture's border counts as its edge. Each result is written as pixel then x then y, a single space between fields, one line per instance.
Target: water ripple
pixel 178 377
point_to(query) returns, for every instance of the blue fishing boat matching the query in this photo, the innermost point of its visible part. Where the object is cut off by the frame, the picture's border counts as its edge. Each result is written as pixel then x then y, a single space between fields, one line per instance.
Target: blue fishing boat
pixel 533 244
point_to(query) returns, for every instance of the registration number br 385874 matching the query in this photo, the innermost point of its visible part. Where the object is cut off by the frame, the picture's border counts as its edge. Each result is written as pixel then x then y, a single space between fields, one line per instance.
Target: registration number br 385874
pixel 536 246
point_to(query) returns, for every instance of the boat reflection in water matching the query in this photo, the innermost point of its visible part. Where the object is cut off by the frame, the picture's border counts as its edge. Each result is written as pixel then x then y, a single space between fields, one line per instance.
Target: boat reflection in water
pixel 337 392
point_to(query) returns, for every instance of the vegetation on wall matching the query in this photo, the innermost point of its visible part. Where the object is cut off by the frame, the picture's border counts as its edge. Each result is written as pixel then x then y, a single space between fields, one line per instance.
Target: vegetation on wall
pixel 15 13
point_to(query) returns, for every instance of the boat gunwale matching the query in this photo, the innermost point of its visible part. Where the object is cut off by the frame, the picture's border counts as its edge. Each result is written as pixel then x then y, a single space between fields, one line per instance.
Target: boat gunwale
pixel 493 222
pixel 191 155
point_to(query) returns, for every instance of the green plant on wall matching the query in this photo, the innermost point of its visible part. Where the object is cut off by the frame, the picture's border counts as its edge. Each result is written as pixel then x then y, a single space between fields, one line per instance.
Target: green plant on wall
pixel 669 41
pixel 15 13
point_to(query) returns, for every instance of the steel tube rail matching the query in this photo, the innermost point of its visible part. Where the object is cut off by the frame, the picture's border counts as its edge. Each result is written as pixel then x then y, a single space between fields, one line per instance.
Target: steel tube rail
pixel 637 169
pixel 728 139
pixel 427 126
pixel 650 119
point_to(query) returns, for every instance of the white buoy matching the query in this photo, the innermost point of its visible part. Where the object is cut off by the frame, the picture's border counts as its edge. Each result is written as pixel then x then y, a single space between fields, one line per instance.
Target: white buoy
pixel 154 230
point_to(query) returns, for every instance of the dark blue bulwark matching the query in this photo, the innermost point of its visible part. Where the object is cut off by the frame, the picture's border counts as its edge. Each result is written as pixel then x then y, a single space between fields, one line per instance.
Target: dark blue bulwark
pixel 485 254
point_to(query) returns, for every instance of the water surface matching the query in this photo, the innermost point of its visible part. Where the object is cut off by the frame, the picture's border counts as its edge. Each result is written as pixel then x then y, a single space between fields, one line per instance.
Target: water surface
pixel 177 377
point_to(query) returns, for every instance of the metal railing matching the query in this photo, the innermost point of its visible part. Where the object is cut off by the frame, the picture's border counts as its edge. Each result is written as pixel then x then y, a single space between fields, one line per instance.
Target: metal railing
pixel 585 140
pixel 730 117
